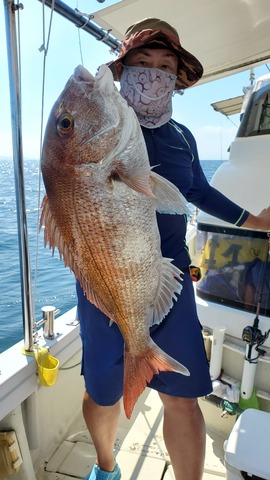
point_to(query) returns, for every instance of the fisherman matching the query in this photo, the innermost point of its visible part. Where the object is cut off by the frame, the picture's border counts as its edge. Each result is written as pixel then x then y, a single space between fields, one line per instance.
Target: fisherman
pixel 151 65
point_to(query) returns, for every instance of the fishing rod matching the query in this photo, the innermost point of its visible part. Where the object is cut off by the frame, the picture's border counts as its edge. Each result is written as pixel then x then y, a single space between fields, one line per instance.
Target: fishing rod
pixel 254 338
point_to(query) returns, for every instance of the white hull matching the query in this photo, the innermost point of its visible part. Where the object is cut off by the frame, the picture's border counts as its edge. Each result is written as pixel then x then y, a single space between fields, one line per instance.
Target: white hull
pixel 51 432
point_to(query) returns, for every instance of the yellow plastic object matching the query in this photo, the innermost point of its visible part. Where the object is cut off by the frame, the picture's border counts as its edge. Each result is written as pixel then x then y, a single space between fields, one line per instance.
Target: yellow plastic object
pixel 47 365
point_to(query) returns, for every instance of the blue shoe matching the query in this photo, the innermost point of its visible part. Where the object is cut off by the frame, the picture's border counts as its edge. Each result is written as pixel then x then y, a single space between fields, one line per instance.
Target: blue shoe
pixel 98 474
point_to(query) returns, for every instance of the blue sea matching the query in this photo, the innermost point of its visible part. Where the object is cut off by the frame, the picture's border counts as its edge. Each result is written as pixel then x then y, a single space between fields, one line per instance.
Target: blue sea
pixel 52 283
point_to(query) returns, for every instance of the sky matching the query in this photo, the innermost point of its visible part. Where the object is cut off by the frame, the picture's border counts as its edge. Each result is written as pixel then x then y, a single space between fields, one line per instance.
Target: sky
pixel 68 47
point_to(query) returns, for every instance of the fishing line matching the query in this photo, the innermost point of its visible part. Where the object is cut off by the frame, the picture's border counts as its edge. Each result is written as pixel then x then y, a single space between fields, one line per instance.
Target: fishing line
pixel 89 16
pixel 252 335
pixel 261 279
pixel 79 34
pixel 43 48
pixel 80 47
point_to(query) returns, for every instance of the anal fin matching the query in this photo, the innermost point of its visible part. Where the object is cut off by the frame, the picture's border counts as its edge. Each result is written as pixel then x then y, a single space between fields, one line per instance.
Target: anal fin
pixel 169 286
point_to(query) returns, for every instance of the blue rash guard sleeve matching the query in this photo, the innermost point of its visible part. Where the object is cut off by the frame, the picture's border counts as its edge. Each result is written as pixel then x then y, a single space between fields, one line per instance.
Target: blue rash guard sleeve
pixel 204 196
pixel 173 154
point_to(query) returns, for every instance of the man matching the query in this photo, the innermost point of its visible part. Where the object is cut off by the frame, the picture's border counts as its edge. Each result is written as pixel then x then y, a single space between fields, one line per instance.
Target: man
pixel 151 65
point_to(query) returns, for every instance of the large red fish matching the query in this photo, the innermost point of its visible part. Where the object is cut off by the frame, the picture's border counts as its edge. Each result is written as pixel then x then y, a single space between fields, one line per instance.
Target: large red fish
pixel 100 212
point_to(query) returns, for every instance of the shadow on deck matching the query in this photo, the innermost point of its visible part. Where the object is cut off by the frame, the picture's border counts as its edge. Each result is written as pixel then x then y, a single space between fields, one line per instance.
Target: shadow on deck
pixel 140 449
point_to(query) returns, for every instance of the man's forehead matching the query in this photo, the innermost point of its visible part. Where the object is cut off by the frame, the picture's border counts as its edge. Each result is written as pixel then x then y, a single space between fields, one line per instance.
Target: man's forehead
pixel 148 51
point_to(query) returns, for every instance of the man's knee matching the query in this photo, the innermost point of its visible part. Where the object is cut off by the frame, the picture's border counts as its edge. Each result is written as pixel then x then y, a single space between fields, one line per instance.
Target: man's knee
pixel 180 404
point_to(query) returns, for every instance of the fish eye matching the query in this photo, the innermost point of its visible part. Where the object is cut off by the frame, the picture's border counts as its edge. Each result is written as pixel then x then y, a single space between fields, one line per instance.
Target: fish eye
pixel 65 123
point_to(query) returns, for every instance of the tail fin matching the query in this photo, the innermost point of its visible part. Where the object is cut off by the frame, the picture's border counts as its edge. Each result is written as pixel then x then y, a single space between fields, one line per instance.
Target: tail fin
pixel 139 371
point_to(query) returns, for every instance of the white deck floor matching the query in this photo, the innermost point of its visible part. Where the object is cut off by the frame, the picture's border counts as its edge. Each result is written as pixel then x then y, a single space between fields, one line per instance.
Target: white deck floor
pixel 140 449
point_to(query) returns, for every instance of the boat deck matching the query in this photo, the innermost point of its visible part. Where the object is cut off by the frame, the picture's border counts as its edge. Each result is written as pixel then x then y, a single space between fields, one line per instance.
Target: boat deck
pixel 140 450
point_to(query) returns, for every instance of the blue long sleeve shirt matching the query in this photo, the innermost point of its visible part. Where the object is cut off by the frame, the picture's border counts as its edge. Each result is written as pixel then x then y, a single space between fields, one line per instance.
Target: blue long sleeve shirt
pixel 173 152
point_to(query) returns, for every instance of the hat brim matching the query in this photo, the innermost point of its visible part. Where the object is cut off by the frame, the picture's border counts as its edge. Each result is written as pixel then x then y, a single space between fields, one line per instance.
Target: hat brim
pixel 190 69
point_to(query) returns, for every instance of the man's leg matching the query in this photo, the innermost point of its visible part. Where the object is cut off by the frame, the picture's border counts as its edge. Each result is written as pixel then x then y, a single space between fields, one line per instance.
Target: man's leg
pixel 184 436
pixel 102 423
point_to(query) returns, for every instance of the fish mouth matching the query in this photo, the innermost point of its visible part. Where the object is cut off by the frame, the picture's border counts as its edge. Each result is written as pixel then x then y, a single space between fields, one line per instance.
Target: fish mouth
pixel 86 80
pixel 81 74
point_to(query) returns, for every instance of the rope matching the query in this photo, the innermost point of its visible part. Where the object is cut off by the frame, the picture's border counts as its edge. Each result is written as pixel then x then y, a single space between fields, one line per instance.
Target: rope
pixel 71 366
pixel 88 16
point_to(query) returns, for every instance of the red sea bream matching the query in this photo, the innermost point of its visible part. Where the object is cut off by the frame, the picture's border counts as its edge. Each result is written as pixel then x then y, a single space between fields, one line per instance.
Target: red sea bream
pixel 99 211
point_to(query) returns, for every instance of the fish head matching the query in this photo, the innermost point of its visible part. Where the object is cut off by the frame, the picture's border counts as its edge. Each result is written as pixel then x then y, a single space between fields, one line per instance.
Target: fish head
pixel 86 123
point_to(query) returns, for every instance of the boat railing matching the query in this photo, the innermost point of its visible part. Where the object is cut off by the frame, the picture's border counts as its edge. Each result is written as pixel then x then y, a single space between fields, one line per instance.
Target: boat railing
pixel 15 104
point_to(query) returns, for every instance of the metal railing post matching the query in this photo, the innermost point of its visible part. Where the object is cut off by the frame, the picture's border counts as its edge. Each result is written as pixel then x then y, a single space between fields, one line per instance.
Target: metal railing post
pixel 15 104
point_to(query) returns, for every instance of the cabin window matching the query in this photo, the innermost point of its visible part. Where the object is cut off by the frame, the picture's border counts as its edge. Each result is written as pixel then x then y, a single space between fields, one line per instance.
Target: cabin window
pixel 235 267
pixel 256 119
pixel 264 121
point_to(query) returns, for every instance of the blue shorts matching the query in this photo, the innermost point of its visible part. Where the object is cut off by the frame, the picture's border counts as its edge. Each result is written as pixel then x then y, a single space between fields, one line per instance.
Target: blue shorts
pixel 179 335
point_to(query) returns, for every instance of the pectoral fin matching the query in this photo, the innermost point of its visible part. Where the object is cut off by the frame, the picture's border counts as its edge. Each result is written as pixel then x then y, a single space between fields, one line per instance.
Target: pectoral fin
pixel 168 197
pixel 137 178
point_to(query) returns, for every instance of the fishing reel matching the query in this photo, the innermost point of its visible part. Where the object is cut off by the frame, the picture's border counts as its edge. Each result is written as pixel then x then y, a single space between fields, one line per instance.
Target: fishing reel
pixel 252 335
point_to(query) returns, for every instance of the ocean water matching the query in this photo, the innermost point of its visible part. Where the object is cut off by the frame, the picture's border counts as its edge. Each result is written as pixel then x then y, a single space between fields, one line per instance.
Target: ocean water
pixel 52 283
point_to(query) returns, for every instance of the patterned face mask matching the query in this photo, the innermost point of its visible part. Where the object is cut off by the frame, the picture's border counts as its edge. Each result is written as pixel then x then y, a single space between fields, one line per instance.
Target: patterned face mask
pixel 149 92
